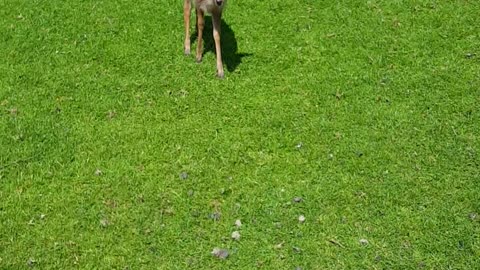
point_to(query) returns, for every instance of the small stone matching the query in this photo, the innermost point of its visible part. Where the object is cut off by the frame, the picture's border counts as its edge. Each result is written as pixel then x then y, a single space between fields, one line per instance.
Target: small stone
pixel 297 249
pixel 236 235
pixel 363 242
pixel 301 219
pixel 279 245
pixel 104 222
pixel 215 216
pixel 220 253
pixel 238 223
pixel 473 216
pixel 299 145
pixel 298 199
pixel 42 216
pixel 298 268
pixel 469 55
pixel 31 262
pixel 183 175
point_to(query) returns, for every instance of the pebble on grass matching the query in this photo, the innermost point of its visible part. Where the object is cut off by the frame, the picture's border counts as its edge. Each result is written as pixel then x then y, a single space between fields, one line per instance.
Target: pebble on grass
pixel 183 175
pixel 104 222
pixel 299 145
pixel 98 172
pixel 363 242
pixel 470 55
pixel 236 235
pixel 31 262
pixel 238 223
pixel 220 253
pixel 301 219
pixel 215 216
pixel 298 199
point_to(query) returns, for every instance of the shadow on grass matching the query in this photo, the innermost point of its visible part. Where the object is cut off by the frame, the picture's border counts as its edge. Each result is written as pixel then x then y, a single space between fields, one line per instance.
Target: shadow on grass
pixel 230 56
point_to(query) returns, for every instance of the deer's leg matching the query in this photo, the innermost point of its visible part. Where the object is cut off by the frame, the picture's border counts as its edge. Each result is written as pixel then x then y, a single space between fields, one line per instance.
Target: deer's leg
pixel 187 7
pixel 200 26
pixel 216 36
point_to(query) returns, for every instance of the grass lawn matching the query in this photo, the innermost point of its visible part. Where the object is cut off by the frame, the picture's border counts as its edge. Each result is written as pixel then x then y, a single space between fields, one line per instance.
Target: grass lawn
pixel 119 152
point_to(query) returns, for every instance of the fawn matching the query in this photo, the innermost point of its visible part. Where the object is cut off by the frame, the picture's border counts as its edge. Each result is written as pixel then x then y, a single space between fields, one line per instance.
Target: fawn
pixel 215 8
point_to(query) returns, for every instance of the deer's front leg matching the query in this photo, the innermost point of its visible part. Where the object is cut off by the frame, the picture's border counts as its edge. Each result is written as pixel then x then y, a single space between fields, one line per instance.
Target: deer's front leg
pixel 216 36
pixel 200 26
pixel 187 7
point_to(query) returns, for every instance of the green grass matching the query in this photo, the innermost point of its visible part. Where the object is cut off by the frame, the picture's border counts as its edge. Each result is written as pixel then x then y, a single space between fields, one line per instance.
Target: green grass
pixel 368 110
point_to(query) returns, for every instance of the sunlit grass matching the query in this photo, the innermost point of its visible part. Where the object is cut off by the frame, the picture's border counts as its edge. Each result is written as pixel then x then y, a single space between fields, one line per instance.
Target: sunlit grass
pixel 118 152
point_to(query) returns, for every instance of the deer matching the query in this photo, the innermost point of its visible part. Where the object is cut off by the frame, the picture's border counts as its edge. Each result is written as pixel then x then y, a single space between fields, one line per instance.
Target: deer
pixel 202 7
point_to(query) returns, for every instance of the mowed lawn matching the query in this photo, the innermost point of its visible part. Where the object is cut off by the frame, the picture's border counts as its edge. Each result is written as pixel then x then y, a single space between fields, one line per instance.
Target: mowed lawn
pixel 345 135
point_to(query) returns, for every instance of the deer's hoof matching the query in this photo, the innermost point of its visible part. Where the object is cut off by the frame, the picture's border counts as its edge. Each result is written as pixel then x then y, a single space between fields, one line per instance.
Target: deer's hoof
pixel 187 52
pixel 221 75
pixel 199 60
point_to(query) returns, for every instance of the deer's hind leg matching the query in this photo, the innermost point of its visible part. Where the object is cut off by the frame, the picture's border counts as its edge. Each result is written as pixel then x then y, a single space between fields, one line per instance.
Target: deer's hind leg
pixel 200 27
pixel 217 22
pixel 187 7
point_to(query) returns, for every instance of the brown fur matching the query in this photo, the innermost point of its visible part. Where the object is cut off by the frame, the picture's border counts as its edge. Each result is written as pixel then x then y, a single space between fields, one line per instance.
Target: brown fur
pixel 215 8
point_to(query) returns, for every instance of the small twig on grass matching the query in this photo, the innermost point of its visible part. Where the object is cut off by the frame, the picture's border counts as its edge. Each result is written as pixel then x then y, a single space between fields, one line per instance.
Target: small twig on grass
pixel 335 242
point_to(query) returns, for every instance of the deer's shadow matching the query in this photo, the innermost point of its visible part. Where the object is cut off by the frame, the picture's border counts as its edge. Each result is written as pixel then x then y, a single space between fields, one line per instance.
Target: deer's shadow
pixel 230 55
